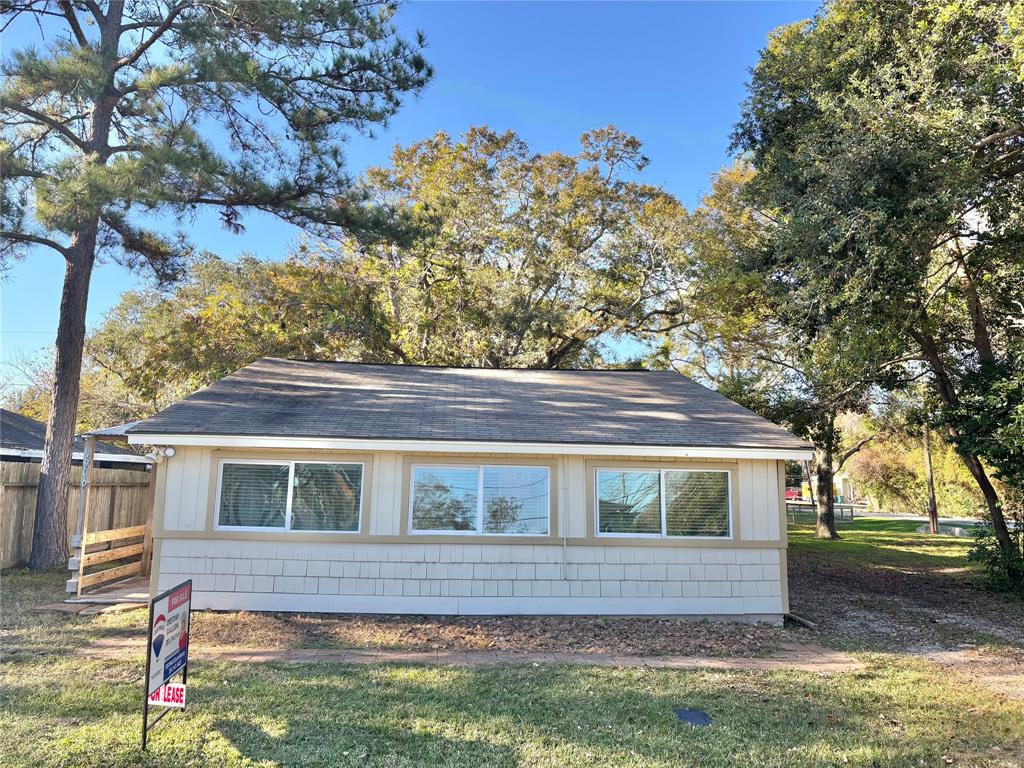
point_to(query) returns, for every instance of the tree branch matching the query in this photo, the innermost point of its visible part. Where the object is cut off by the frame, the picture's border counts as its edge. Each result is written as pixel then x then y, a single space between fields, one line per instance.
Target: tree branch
pixel 145 45
pixel 994 138
pixel 854 448
pixel 62 129
pixel 76 28
pixel 25 237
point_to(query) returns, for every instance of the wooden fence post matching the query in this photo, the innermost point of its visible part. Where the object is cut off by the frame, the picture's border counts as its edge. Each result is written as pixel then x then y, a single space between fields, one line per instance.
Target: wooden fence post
pixel 147 541
pixel 83 492
pixel 82 524
pixel 81 552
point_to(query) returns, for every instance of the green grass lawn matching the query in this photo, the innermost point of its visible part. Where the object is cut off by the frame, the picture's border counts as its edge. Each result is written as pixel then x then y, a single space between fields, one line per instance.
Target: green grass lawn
pixel 59 709
pixel 881 542
pixel 895 714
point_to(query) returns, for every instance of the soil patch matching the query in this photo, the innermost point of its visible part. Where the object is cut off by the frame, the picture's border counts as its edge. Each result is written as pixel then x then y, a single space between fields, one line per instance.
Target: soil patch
pixel 526 634
pixel 912 609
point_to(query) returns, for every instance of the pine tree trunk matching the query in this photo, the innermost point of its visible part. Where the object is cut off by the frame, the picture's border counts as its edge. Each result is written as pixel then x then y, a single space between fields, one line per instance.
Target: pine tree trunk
pixel 933 507
pixel 49 534
pixel 826 525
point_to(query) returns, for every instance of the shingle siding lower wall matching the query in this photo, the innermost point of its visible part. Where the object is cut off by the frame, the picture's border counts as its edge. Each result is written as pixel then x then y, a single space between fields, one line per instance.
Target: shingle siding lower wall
pixel 476 579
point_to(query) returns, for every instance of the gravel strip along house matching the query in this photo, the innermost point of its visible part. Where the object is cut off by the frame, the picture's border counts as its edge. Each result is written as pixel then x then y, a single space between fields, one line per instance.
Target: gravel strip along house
pixel 319 486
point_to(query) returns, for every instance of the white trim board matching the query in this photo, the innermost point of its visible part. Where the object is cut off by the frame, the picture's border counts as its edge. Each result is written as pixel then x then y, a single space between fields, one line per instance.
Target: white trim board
pixel 126 458
pixel 468 447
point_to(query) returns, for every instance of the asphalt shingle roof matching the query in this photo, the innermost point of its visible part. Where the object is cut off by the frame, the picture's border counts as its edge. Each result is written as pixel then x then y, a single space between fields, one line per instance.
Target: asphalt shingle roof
pixel 295 398
pixel 20 433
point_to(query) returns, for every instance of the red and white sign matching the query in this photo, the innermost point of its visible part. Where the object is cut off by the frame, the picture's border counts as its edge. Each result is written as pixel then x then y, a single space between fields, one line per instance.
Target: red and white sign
pixel 168 635
pixel 169 695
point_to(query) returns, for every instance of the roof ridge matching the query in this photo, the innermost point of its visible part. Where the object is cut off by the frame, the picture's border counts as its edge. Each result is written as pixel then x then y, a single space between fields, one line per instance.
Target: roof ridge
pixel 470 367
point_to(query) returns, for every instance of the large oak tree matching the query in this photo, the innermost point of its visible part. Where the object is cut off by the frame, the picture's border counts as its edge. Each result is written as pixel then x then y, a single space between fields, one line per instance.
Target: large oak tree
pixel 890 139
pixel 516 259
pixel 133 111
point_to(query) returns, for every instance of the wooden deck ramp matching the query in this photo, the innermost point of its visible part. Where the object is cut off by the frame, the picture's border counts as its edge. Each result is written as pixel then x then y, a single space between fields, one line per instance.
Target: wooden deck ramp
pixel 109 565
pixel 103 559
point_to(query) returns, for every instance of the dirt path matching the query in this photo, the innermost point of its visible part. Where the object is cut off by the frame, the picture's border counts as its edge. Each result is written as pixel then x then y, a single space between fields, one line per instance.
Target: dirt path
pixel 925 612
pixel 905 609
pixel 1002 672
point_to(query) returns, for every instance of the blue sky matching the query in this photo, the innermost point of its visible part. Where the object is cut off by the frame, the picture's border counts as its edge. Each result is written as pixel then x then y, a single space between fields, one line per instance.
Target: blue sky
pixel 672 74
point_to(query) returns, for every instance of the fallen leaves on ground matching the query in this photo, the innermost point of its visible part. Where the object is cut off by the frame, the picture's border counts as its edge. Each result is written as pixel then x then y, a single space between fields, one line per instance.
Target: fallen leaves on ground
pixel 527 634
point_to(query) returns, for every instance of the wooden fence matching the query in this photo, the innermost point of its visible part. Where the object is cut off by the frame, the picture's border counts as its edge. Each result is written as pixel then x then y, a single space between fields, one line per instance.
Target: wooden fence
pixel 119 499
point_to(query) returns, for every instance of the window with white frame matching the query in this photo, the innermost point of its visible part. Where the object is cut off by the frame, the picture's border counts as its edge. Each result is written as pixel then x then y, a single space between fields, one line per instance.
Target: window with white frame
pixel 480 499
pixel 666 502
pixel 289 495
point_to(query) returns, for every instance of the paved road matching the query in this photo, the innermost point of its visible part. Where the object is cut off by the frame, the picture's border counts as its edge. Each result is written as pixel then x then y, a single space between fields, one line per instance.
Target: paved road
pixel 955 521
pixel 923 518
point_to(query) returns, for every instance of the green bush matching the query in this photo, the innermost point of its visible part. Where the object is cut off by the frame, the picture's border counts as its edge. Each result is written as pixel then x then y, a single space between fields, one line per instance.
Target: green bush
pixel 1003 573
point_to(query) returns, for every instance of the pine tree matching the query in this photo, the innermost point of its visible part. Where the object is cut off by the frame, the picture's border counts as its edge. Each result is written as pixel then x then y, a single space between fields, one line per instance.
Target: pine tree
pixel 156 108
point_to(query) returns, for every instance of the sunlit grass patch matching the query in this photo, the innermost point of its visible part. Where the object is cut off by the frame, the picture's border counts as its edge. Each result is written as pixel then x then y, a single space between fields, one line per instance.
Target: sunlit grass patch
pixel 875 541
pixel 896 713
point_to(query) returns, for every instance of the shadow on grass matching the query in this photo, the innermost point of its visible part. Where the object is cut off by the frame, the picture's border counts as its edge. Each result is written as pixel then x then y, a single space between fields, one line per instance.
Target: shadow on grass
pixel 321 741
pixel 505 716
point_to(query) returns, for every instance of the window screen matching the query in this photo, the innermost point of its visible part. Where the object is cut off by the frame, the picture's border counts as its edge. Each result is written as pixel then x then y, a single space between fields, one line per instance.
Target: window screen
pixel 515 500
pixel 629 502
pixel 697 503
pixel 325 497
pixel 253 495
pixel 663 503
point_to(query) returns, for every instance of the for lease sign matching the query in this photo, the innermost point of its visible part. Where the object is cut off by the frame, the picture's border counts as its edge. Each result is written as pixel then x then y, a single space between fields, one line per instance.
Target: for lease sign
pixel 169 695
pixel 168 645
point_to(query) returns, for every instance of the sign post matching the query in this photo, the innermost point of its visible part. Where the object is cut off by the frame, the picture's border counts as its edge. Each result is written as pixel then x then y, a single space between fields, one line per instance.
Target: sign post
pixel 170 616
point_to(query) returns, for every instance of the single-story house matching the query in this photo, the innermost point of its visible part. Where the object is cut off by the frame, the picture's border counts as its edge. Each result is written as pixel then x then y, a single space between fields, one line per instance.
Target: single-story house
pixel 322 486
pixel 22 439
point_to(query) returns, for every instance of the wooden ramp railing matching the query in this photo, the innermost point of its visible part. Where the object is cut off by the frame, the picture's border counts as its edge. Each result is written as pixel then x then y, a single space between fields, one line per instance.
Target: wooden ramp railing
pixel 128 548
pixel 102 557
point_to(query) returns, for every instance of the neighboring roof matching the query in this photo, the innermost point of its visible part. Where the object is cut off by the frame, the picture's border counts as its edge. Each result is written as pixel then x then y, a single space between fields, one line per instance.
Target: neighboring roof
pixel 295 398
pixel 24 436
pixel 117 432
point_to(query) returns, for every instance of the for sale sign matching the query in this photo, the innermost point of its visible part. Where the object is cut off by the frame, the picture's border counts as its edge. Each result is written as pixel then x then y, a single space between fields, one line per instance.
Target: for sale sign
pixel 168 635
pixel 167 652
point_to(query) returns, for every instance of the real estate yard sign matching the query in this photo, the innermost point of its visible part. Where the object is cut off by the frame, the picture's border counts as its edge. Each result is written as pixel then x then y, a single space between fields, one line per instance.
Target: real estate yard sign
pixel 167 651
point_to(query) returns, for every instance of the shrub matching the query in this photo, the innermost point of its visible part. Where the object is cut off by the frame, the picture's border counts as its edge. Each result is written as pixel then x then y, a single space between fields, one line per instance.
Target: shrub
pixel 1002 573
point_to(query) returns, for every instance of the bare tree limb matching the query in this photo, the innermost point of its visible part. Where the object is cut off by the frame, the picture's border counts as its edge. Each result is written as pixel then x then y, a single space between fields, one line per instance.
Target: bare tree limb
pixel 25 237
pixel 854 448
pixel 76 28
pixel 56 125
pixel 146 44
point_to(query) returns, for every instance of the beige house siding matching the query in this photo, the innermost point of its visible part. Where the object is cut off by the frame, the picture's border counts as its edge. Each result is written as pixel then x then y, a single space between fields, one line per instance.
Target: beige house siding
pixel 385 569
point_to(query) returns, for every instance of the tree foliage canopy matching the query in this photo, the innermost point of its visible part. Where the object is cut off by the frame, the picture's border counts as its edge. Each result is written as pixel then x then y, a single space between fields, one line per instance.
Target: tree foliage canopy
pixel 889 139
pixel 524 259
pixel 520 260
pixel 135 114
pixel 743 336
